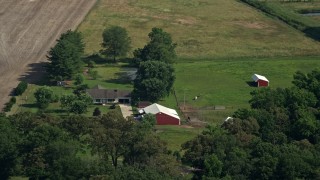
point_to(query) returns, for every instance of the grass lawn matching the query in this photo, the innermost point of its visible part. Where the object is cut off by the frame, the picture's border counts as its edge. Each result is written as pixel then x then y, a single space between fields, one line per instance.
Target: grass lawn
pixel 110 76
pixel 210 29
pixel 175 136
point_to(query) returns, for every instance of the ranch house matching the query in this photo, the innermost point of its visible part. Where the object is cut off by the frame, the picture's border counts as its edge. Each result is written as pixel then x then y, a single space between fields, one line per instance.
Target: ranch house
pixel 101 95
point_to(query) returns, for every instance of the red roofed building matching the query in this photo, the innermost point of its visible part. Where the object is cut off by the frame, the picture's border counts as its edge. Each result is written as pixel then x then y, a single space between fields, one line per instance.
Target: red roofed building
pixel 164 115
pixel 261 81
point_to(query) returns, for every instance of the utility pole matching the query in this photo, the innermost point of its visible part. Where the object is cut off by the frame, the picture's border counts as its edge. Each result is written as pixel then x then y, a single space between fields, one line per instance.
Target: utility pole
pixel 184 100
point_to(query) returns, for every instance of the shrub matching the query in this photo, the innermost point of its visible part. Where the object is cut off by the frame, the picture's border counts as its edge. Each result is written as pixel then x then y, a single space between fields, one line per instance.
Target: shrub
pixel 93 74
pixel 22 86
pixel 13 100
pixel 96 112
pixel 9 104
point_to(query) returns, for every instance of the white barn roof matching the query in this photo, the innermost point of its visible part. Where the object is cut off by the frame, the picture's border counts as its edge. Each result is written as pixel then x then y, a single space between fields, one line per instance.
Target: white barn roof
pixel 156 108
pixel 257 77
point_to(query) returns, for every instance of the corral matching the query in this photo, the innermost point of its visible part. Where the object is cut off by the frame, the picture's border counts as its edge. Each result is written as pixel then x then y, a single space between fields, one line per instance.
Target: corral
pixel 28 29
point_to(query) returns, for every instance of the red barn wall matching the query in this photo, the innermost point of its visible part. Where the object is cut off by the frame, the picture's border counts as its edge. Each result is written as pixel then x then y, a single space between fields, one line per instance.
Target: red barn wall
pixel 163 119
pixel 262 83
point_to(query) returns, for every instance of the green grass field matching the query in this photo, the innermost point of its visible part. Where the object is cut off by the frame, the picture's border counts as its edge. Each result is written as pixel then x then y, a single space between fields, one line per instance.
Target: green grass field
pixel 111 76
pixel 210 29
pixel 224 82
pixel 175 136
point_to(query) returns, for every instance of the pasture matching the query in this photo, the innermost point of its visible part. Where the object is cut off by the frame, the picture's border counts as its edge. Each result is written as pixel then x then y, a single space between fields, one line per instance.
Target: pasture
pixel 28 29
pixel 207 29
pixel 175 136
pixel 224 82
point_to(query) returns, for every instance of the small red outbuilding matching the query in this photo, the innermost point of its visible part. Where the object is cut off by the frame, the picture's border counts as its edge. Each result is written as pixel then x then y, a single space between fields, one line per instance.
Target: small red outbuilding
pixel 260 80
pixel 164 115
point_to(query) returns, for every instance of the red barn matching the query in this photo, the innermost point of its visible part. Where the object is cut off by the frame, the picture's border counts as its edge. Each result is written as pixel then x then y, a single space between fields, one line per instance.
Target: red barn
pixel 164 115
pixel 260 80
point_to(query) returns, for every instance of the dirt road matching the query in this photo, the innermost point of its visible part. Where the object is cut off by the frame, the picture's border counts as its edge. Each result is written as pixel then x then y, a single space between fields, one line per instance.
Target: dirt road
pixel 28 28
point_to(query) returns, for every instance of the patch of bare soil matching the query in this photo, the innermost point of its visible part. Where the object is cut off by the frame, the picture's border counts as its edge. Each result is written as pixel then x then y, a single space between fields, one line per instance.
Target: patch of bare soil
pixel 28 29
pixel 192 116
pixel 186 126
pixel 251 25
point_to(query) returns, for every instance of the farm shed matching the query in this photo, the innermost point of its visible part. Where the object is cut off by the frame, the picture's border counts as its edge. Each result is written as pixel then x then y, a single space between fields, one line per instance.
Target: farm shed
pixel 101 95
pixel 164 115
pixel 260 81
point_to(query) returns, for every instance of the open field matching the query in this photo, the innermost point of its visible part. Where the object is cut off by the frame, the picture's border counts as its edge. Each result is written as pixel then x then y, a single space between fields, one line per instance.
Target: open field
pixel 224 82
pixel 28 29
pixel 203 29
pixel 175 136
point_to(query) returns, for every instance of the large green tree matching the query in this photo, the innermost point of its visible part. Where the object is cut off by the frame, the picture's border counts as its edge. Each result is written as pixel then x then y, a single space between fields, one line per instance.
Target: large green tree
pixel 65 57
pixel 116 42
pixel 77 104
pixel 154 80
pixel 160 47
pixel 111 135
pixel 44 96
pixel 309 81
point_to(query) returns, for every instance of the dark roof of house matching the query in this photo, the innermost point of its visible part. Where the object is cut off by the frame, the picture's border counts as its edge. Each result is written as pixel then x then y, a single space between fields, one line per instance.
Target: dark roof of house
pixel 143 104
pixel 98 92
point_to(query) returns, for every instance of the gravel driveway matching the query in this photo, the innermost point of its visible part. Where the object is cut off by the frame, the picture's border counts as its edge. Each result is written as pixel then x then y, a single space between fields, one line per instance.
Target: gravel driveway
pixel 126 110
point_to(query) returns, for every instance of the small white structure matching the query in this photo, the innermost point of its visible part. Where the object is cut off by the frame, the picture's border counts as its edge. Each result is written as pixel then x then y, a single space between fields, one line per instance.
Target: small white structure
pixel 228 119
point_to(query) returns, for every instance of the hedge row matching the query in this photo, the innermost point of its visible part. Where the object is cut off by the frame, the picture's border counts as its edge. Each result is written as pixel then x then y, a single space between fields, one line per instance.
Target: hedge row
pixel 274 9
pixel 22 86
pixel 9 104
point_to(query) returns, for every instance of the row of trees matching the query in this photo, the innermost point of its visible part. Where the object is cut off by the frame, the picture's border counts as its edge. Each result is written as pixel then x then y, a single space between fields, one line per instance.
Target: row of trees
pixel 76 147
pixel 116 42
pixel 278 138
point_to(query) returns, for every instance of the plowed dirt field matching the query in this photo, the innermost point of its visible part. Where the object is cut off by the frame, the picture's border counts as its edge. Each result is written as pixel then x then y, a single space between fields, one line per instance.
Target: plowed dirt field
pixel 28 28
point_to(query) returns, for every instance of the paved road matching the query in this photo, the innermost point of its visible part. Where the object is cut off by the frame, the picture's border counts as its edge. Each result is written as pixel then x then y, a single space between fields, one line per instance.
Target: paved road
pixel 126 110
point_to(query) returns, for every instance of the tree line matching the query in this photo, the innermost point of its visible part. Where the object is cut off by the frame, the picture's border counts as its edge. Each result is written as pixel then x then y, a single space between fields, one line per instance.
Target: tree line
pixel 40 146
